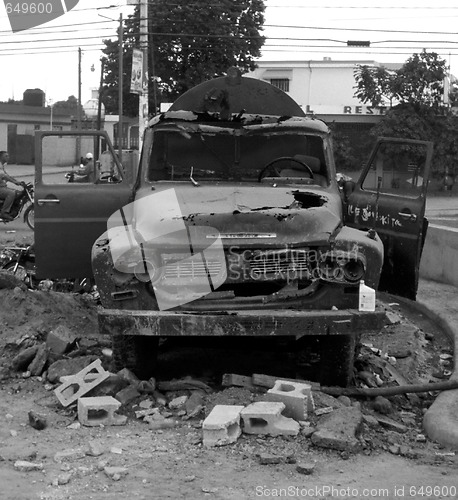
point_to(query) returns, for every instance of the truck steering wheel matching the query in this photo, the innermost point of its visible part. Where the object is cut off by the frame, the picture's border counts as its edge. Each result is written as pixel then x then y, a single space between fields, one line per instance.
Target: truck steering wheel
pixel 277 171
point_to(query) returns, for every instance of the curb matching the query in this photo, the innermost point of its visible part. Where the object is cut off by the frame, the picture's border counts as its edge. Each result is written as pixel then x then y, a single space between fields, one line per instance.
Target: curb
pixel 440 421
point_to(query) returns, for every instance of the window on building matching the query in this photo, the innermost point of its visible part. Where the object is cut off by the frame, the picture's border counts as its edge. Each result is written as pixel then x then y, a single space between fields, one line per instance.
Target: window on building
pixel 281 83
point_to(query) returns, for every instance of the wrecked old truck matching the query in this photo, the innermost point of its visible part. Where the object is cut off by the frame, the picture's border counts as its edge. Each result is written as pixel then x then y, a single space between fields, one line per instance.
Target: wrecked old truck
pixel 233 224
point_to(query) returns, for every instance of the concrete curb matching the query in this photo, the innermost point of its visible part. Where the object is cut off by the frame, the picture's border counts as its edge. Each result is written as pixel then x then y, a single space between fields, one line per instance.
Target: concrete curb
pixel 440 421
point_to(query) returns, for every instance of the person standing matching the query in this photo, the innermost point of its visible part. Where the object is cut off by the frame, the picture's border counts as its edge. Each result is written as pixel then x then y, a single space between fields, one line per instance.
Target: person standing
pixel 6 194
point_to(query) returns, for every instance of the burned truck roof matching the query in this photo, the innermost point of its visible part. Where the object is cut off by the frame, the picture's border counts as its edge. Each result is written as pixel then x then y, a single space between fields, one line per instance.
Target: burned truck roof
pixel 239 124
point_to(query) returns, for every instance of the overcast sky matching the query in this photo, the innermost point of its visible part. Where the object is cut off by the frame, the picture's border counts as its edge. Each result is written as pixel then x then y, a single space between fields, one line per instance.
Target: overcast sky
pixel 47 57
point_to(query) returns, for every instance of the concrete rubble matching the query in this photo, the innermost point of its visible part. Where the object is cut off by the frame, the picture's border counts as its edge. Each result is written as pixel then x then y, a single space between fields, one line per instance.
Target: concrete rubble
pixel 271 410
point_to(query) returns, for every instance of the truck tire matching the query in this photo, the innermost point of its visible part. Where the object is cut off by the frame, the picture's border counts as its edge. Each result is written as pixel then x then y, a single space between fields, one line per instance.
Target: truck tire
pixel 138 353
pixel 326 359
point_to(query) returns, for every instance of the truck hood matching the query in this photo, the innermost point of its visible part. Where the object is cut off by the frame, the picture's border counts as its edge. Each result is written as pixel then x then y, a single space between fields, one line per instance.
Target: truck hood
pixel 248 215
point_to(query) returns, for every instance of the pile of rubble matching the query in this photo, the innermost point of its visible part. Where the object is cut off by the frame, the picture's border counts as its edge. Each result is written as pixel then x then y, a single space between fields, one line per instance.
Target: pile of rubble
pixel 228 413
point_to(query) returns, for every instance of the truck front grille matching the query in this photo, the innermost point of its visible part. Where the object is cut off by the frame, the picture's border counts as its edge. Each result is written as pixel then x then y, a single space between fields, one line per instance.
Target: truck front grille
pixel 192 269
pixel 279 263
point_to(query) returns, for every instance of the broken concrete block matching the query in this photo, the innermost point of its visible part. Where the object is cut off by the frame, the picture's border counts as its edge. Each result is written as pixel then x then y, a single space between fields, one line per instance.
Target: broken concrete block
pixel 222 426
pixel 24 358
pixel 127 394
pixel 128 375
pixel 264 417
pixel 69 455
pixel 390 424
pixel 94 449
pixel 339 430
pixel 297 398
pixel 24 466
pixel 109 387
pixel 60 340
pixel 37 421
pixel 305 468
pixel 269 459
pixel 81 383
pixel 115 473
pixel 38 364
pixel 194 403
pixel 69 366
pixel 99 411
pixel 178 402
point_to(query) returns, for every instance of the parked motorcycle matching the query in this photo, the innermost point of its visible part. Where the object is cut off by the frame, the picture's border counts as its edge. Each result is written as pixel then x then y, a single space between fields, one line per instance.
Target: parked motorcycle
pixel 23 203
pixel 20 261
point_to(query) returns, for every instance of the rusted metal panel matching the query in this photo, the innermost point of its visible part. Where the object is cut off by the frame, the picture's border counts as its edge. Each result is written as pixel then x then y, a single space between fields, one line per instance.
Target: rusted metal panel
pixel 238 94
pixel 243 323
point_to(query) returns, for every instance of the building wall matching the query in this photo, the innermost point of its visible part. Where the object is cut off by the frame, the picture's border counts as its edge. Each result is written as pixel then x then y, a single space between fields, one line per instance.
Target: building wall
pixel 324 88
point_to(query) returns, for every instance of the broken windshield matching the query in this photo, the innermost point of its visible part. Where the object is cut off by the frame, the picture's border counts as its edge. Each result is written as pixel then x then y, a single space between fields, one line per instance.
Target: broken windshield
pixel 215 153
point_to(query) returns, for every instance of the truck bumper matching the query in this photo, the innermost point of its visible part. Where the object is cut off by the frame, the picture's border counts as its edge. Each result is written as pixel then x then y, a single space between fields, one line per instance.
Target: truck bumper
pixel 239 323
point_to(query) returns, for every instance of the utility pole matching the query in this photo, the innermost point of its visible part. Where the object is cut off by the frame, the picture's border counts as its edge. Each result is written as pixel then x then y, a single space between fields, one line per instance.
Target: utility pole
pixel 99 106
pixel 120 89
pixel 143 97
pixel 78 111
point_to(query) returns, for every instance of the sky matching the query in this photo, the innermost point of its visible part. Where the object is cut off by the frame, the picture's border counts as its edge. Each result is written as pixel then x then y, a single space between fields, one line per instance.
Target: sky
pixel 46 57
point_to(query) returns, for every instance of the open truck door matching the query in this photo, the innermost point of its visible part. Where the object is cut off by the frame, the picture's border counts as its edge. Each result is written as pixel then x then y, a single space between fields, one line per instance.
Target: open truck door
pixel 390 198
pixel 71 211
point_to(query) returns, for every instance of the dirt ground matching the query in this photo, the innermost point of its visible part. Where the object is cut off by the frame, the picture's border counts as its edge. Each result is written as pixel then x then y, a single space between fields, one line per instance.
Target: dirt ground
pixel 73 461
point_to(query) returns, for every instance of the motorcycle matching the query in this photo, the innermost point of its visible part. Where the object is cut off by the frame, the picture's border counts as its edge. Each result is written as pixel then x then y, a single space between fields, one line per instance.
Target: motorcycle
pixel 74 177
pixel 23 203
pixel 20 261
pixel 104 178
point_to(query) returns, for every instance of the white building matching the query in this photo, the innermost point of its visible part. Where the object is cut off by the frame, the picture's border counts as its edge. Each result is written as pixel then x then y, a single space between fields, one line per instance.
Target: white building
pixel 323 88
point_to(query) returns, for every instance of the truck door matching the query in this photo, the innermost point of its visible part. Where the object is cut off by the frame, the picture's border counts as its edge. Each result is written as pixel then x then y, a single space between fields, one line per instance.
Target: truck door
pixel 390 198
pixel 69 216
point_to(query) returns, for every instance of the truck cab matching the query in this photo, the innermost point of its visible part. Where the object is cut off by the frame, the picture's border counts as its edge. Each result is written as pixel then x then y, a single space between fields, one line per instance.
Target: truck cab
pixel 235 225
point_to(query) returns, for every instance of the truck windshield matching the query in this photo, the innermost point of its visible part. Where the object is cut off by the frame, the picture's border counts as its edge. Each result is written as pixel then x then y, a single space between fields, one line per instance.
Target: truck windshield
pixel 236 154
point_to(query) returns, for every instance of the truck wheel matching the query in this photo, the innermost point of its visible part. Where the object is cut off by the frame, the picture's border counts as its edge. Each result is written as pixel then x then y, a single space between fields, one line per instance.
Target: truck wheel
pixel 137 353
pixel 326 359
pixel 29 216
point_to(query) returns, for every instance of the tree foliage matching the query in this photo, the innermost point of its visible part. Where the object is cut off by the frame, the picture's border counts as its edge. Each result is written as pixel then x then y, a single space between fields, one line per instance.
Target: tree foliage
pixel 419 82
pixel 416 106
pixel 189 42
pixel 70 105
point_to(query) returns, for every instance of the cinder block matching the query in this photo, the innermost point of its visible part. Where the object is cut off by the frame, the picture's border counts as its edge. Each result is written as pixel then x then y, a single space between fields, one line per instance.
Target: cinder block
pixel 99 411
pixel 81 383
pixel 264 417
pixel 222 426
pixel 297 397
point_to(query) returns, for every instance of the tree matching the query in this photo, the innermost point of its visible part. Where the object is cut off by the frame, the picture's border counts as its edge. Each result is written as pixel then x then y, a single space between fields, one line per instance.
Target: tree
pixel 419 82
pixel 417 111
pixel 189 42
pixel 70 106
